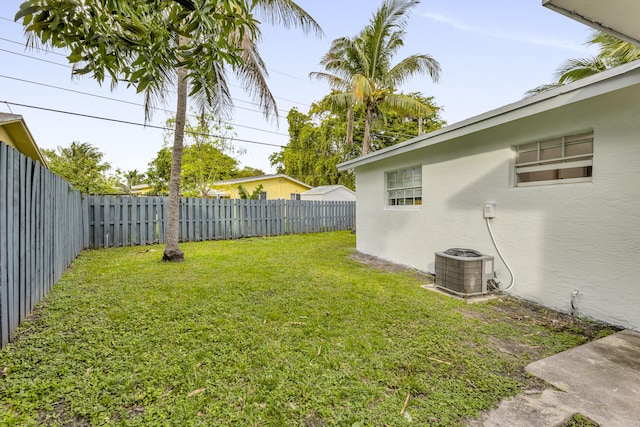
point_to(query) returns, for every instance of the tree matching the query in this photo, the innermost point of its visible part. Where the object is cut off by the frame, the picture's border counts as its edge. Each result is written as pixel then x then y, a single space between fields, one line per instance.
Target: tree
pixel 317 140
pixel 612 52
pixel 159 172
pixel 254 195
pixel 248 172
pixel 82 165
pixel 208 155
pixel 360 69
pixel 128 179
pixel 156 44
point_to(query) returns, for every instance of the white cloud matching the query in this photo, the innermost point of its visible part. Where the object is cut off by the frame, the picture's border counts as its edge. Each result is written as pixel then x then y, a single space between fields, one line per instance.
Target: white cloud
pixel 505 35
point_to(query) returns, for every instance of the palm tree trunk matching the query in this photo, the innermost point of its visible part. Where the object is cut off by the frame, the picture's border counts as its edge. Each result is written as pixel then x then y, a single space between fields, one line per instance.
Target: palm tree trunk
pixel 172 252
pixel 420 125
pixel 366 142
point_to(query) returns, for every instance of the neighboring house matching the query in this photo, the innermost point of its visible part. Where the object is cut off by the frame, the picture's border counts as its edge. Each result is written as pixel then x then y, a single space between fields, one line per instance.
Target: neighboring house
pixel 561 168
pixel 278 186
pixel 141 189
pixel 15 133
pixel 338 193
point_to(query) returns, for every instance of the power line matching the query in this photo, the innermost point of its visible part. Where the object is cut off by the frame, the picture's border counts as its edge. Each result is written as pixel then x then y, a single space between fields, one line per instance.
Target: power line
pixel 130 102
pixel 32 47
pixel 126 122
pixel 69 66
pixel 37 59
pixel 234 99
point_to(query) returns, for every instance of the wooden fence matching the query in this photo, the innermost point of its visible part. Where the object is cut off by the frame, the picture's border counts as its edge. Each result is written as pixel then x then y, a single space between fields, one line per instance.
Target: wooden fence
pixel 45 223
pixel 40 234
pixel 114 221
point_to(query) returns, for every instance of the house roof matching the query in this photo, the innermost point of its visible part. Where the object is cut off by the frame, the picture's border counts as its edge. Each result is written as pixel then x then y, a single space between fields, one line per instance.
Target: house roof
pixel 324 189
pixel 599 84
pixel 607 16
pixel 21 136
pixel 260 178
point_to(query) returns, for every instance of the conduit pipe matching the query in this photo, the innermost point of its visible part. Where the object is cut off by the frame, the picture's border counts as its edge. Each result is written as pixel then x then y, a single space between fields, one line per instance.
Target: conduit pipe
pixel 495 245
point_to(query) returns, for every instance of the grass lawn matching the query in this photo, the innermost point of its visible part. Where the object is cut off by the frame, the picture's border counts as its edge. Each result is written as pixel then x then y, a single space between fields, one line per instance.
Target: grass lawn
pixel 282 331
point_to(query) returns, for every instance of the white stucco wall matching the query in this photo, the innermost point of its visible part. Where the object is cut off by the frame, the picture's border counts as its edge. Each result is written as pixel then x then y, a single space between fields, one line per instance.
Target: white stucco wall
pixel 339 194
pixel 556 238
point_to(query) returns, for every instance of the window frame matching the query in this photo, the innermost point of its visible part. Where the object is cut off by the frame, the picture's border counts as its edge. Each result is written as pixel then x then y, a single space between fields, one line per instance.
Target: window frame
pixel 404 188
pixel 557 163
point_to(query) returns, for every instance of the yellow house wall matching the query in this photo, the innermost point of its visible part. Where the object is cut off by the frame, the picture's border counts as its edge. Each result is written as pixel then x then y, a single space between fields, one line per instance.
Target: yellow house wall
pixel 16 135
pixel 4 137
pixel 276 188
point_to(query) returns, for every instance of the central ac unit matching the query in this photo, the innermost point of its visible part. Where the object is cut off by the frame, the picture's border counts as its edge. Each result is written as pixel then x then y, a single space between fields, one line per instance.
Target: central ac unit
pixel 464 272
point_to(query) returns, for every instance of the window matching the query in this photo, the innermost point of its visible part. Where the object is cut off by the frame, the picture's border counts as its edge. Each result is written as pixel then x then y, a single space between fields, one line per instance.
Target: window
pixel 295 196
pixel 404 187
pixel 262 195
pixel 560 160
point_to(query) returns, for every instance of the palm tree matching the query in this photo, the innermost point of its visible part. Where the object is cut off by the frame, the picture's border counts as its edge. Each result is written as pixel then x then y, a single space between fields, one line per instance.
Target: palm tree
pixel 189 44
pixel 612 52
pixel 360 69
pixel 129 179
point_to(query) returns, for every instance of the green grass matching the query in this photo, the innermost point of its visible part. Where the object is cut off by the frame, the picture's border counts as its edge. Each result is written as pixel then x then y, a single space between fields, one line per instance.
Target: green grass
pixel 265 332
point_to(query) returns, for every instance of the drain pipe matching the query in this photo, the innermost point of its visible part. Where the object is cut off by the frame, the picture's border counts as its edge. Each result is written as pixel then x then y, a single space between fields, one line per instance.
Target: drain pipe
pixel 489 213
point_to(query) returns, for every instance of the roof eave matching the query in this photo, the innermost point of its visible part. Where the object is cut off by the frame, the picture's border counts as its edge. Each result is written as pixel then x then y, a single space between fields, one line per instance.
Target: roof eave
pixel 554 98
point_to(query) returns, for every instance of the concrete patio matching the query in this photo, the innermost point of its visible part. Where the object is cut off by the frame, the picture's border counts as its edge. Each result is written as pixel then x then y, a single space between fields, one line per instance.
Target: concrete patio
pixel 599 380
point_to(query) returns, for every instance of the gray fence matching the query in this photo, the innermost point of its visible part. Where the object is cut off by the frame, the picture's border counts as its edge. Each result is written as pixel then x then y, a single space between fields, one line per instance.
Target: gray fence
pixel 45 223
pixel 114 221
pixel 40 234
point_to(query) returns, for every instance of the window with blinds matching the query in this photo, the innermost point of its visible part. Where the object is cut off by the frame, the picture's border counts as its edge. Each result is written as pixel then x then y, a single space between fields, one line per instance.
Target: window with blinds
pixel 555 161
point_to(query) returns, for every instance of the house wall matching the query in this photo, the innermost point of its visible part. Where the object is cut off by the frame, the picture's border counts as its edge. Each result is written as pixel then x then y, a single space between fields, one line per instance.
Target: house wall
pixel 338 195
pixel 4 137
pixel 276 188
pixel 558 239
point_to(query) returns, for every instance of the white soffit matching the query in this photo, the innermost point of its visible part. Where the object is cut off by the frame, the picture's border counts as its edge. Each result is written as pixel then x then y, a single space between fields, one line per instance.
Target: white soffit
pixel 620 18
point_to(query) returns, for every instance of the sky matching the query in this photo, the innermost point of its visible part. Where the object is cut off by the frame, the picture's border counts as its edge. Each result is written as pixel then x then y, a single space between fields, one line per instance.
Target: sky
pixel 491 52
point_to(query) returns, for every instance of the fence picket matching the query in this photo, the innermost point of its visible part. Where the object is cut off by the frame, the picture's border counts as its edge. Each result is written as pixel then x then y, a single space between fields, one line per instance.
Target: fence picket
pixel 45 223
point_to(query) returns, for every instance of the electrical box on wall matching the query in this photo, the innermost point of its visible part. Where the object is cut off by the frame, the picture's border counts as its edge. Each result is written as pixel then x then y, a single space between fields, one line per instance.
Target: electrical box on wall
pixel 489 210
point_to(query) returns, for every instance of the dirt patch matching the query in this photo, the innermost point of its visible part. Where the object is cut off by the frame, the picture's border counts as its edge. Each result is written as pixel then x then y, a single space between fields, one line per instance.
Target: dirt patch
pixel 388 266
pixel 525 312
pixel 59 415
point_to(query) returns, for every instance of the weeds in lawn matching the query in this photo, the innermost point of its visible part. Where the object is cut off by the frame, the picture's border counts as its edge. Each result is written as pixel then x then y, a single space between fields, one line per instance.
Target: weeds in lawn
pixel 268 331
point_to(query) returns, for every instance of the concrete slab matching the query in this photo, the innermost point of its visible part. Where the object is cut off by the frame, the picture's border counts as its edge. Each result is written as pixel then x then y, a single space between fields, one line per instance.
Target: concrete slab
pixel 473 299
pixel 600 380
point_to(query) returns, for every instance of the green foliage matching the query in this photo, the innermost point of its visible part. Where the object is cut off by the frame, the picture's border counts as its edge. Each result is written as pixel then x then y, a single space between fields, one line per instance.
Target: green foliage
pixel 361 72
pixel 317 140
pixel 254 195
pixel 612 52
pixel 248 172
pixel 128 179
pixel 82 166
pixel 158 44
pixel 237 336
pixel 136 42
pixel 207 157
pixel 159 172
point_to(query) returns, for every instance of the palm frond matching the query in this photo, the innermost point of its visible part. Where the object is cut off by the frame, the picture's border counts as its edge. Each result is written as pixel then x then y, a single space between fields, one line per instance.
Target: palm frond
pixel 414 64
pixel 341 101
pixel 252 74
pixel 540 89
pixel 406 105
pixel 576 69
pixel 288 14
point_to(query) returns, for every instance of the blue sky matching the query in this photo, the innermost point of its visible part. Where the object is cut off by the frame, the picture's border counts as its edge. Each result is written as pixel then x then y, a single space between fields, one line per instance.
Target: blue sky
pixel 491 52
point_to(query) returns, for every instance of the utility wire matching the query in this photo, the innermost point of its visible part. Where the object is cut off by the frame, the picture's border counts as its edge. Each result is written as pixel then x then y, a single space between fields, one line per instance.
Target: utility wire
pixel 126 122
pixel 69 66
pixel 131 103
pixel 234 99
